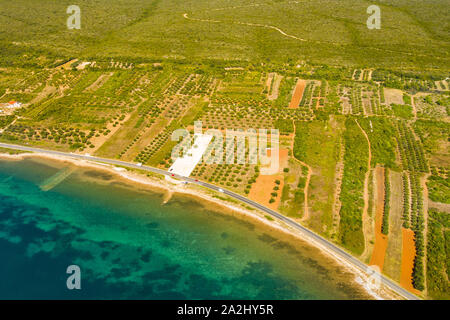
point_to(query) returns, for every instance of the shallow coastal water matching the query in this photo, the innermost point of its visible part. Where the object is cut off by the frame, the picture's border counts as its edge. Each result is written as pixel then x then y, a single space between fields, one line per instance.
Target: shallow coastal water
pixel 130 245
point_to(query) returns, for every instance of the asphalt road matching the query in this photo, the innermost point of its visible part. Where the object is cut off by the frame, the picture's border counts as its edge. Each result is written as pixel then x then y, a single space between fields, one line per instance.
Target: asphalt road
pixel 301 229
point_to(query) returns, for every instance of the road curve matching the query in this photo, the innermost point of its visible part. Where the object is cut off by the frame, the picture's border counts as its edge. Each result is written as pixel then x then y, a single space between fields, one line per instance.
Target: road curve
pixel 304 231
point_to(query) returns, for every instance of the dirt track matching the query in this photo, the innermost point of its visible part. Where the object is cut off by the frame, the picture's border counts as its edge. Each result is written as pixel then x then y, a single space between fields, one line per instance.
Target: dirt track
pixel 186 16
pixel 366 219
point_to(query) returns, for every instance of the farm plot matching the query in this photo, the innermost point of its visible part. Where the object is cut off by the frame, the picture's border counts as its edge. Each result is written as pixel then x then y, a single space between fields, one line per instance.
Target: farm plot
pixel 442 85
pixel 370 100
pixel 381 239
pixel 59 137
pixel 237 177
pixel 99 82
pixel 432 106
pixel 266 190
pixel 18 81
pixel 351 196
pixel 306 100
pixel 224 115
pixel 273 85
pixel 298 94
pixel 408 257
pixel 414 164
pixel 393 96
pixel 344 99
pixel 402 82
pixel 177 109
pixel 199 85
pixel 163 98
pixel 351 97
pixel 392 261
pixel 237 84
pixel 439 188
pixel 287 86
pixel 433 135
pixel 317 144
pixel 357 75
pixel 381 133
pixel 320 94
pixel 293 193
pixel 6 120
pixel 438 255
pixel 415 221
pixel 159 149
pixel 411 150
pixel 72 119
pixel 402 111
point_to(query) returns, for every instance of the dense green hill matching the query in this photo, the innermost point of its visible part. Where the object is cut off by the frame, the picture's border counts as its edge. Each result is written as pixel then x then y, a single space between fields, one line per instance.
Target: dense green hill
pixel 414 34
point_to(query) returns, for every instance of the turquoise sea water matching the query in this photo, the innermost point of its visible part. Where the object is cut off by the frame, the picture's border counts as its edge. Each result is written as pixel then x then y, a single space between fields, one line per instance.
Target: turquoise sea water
pixel 129 245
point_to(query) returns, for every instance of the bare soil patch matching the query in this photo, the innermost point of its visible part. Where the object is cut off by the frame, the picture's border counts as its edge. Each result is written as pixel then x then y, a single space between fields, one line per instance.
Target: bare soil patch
pixel 298 94
pixel 48 90
pixel 99 82
pixel 442 207
pixel 100 140
pixel 284 157
pixel 263 187
pixel 273 93
pixel 269 81
pixel 393 96
pixel 408 255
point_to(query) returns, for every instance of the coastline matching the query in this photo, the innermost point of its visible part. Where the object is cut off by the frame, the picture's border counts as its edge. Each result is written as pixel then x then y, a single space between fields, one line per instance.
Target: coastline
pixel 169 189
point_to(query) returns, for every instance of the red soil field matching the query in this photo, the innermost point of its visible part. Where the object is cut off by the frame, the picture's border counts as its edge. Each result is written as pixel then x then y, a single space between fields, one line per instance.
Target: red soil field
pixel 298 94
pixel 263 187
pixel 408 255
pixel 284 157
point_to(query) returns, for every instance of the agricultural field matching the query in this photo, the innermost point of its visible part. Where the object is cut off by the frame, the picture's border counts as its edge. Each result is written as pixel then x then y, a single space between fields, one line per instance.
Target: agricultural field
pixel 355 168
pixel 432 106
pixel 438 267
pixel 363 117
pixel 318 145
pixel 120 110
